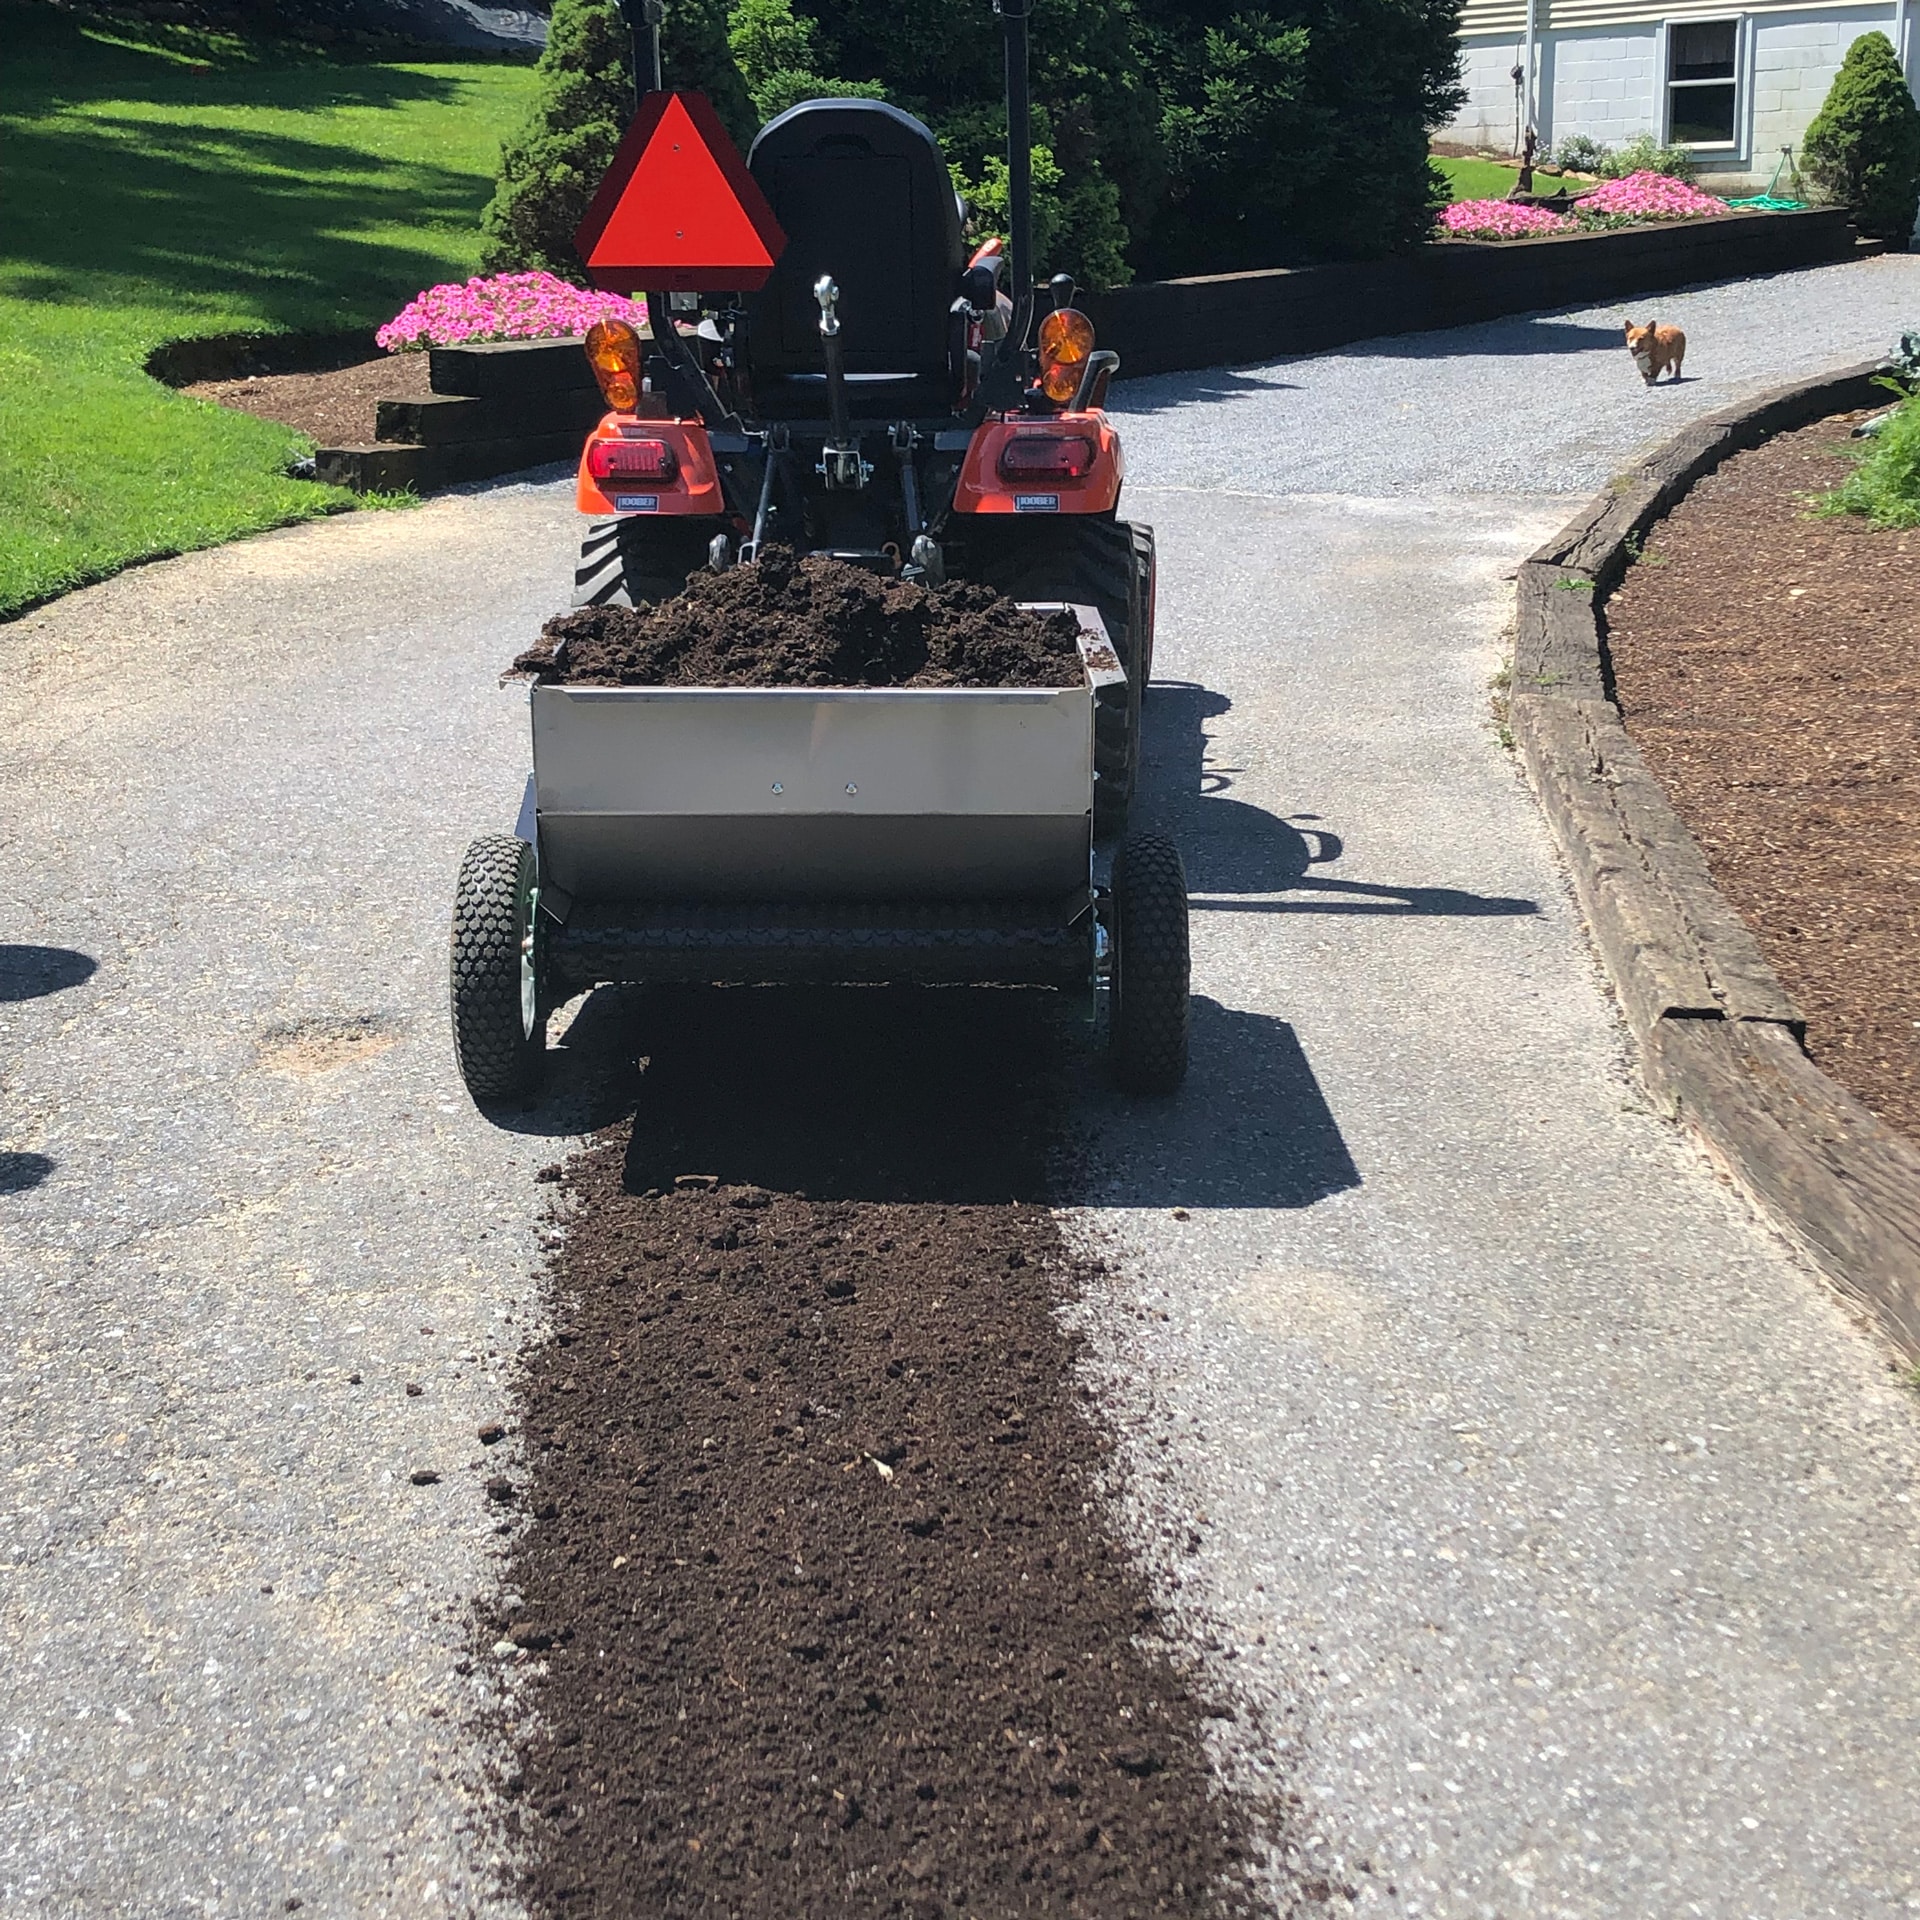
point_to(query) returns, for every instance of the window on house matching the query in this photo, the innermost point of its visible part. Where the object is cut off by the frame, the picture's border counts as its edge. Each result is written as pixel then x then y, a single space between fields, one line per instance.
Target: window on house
pixel 1701 87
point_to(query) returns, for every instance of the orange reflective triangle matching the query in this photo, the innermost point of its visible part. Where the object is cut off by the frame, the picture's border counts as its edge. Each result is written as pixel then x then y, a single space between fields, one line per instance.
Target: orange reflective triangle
pixel 678 211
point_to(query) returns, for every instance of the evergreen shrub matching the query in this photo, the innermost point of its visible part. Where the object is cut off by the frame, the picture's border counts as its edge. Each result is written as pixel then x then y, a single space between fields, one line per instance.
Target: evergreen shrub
pixel 1863 149
pixel 549 170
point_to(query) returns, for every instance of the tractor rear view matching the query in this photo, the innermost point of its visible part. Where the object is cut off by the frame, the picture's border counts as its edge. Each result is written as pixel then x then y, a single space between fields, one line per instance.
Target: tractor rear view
pixel 885 399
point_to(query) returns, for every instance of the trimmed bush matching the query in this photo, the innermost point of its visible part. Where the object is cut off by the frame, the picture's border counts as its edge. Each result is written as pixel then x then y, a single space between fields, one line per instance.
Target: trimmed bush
pixel 774 48
pixel 1863 149
pixel 1579 154
pixel 549 170
pixel 1644 154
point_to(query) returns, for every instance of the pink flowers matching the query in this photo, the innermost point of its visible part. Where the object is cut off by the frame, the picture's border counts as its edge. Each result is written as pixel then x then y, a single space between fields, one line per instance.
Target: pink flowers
pixel 1651 196
pixel 508 306
pixel 1614 203
pixel 1498 220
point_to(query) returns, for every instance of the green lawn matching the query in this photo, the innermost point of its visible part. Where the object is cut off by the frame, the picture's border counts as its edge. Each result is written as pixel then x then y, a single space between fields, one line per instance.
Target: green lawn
pixel 160 185
pixel 1479 179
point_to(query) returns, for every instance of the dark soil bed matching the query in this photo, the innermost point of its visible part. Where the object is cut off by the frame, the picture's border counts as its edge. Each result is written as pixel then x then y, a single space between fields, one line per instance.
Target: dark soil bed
pixel 332 409
pixel 1768 665
pixel 811 623
pixel 831 1618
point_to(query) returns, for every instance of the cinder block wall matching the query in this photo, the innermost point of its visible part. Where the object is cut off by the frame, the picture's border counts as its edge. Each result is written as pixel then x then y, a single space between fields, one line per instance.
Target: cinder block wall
pixel 1606 82
pixel 1600 82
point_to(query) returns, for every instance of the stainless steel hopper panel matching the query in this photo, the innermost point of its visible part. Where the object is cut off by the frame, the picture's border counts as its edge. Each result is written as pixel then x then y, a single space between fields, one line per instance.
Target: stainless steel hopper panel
pixel 790 793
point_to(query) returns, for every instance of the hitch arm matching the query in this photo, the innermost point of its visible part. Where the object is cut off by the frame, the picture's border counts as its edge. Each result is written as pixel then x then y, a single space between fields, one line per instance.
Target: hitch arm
pixel 840 463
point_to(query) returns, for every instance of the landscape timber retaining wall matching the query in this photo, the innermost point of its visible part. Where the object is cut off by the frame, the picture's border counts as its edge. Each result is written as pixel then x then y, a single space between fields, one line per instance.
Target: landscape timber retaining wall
pixel 1717 1033
pixel 232 356
pixel 507 405
pixel 1167 326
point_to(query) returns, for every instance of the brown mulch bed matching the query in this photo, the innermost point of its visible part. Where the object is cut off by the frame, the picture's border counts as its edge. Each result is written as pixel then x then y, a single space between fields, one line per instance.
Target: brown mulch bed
pixel 785 622
pixel 332 409
pixel 1768 666
pixel 833 1619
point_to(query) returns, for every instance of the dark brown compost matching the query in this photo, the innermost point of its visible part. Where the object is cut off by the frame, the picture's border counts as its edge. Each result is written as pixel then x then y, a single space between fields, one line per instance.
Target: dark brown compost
pixel 782 622
pixel 832 1617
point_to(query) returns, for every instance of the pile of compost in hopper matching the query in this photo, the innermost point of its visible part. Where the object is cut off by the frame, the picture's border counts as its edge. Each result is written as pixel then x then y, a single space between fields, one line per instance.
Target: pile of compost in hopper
pixel 817 622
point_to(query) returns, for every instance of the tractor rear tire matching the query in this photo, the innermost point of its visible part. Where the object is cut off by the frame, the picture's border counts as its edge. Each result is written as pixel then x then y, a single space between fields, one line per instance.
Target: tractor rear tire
pixel 1093 562
pixel 499 1026
pixel 1149 1023
pixel 1147 564
pixel 637 560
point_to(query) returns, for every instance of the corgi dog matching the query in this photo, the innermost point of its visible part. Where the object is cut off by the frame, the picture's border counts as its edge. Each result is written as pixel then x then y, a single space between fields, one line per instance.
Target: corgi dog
pixel 1656 348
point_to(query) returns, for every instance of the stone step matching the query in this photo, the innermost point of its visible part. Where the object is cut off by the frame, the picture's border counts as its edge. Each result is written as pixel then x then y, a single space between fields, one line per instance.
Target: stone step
pixel 446 419
pixel 498 368
pixel 394 467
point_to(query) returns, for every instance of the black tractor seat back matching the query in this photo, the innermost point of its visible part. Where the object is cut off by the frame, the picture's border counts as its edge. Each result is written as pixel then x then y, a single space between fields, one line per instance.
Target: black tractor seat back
pixel 863 194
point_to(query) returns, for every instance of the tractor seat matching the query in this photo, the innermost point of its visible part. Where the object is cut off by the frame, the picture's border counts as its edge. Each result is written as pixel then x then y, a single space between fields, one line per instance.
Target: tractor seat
pixel 863 194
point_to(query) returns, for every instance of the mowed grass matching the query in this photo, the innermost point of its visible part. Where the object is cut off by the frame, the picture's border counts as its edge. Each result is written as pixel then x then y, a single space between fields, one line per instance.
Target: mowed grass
pixel 1478 179
pixel 162 185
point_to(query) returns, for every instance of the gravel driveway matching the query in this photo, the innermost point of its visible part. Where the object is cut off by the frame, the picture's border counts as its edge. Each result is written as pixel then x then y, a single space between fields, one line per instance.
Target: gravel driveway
pixel 1551 1523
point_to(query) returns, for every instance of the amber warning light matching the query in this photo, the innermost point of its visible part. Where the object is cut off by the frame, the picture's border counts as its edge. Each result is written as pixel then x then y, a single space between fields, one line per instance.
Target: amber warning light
pixel 1066 339
pixel 613 351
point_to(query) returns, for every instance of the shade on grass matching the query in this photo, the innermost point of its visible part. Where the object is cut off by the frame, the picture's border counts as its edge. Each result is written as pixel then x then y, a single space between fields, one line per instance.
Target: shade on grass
pixel 162 185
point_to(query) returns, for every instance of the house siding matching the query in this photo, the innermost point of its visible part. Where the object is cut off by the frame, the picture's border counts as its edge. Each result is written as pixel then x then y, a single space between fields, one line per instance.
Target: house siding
pixel 1600 72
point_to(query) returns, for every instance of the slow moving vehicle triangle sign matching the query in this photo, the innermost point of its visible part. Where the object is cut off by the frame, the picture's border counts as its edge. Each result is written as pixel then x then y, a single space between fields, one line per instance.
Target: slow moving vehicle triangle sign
pixel 678 211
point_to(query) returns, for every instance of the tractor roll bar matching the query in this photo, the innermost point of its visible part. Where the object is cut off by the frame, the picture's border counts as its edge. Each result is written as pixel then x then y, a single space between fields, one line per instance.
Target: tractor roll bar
pixel 1015 14
pixel 1002 380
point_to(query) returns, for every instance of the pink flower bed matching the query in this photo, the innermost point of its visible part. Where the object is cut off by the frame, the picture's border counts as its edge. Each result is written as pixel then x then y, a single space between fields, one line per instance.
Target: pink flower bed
pixel 1498 220
pixel 1651 196
pixel 508 306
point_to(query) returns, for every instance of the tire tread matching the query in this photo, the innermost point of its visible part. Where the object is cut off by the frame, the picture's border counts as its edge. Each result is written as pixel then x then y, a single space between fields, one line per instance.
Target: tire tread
pixel 495 1054
pixel 1151 1004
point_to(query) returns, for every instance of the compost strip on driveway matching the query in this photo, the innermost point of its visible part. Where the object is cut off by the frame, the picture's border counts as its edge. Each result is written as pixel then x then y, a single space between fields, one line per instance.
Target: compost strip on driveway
pixel 832 1619
pixel 1765 665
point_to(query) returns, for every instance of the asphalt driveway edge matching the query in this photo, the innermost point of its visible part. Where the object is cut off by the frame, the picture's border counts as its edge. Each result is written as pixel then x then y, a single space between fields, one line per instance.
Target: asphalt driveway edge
pixel 1716 1033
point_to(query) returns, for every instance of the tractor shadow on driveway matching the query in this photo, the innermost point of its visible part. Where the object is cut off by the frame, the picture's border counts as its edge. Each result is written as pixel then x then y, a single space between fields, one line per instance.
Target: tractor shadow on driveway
pixel 1239 858
pixel 963 1096
pixel 978 1097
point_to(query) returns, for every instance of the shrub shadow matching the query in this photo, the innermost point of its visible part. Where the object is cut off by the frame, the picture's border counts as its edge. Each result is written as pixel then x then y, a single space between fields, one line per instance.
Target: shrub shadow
pixel 22 1172
pixel 31 973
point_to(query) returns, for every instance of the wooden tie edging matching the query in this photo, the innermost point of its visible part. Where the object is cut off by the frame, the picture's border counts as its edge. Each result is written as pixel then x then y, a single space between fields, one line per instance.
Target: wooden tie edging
pixel 1717 1034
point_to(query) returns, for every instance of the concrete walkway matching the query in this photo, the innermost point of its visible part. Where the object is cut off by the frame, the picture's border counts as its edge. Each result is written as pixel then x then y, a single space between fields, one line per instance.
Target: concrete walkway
pixel 1573 1517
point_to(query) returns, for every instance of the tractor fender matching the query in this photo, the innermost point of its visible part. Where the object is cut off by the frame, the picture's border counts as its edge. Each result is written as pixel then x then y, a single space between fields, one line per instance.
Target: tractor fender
pixel 693 489
pixel 985 487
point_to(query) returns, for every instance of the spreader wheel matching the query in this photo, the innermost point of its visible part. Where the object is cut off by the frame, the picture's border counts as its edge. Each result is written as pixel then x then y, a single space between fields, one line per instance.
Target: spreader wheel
pixel 499 1029
pixel 1150 970
pixel 637 560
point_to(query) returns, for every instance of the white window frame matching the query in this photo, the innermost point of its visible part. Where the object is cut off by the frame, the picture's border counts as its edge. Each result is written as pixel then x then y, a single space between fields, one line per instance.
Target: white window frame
pixel 1742 80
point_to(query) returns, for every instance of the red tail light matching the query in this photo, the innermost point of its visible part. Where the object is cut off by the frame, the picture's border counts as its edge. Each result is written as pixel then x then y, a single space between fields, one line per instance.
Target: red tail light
pixel 1053 456
pixel 631 460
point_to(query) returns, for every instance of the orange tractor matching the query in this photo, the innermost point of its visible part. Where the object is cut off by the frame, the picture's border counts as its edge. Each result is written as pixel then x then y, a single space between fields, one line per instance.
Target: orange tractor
pixel 885 397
